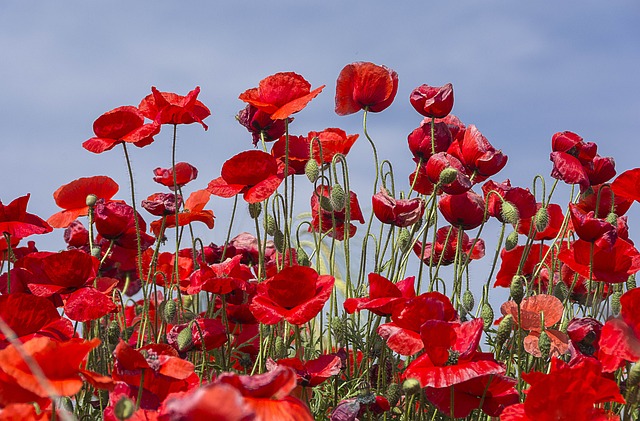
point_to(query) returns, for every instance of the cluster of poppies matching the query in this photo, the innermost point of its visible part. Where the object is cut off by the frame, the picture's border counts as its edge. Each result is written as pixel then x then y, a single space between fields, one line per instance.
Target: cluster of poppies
pixel 277 325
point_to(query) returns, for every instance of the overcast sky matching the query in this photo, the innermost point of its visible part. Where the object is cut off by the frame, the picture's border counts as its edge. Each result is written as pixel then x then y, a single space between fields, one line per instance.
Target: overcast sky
pixel 521 72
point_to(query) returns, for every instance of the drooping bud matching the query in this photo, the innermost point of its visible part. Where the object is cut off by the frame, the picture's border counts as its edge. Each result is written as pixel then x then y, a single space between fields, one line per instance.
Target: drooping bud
pixel 544 344
pixel 187 300
pixel 337 197
pixel 631 282
pixel 393 394
pixel 303 257
pixel 411 387
pixel 634 375
pixel 270 225
pixel 487 316
pixel 278 240
pixel 404 240
pixel 615 302
pixel 169 311
pixel 517 288
pixel 280 348
pixel 255 209
pixel 541 219
pixel 325 204
pixel 125 408
pixel 511 241
pixel 184 339
pixel 113 332
pixel 560 291
pixel 612 218
pixel 448 175
pixel 467 300
pixel 504 329
pixel 311 170
pixel 91 200
pixel 509 213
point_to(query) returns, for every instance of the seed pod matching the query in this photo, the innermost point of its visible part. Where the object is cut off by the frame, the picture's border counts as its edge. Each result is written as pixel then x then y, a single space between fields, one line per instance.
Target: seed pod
pixel 511 241
pixel 541 219
pixel 125 408
pixel 169 311
pixel 255 209
pixel 467 300
pixel 544 344
pixel 337 197
pixel 517 288
pixel 411 387
pixel 270 225
pixel 91 200
pixel 487 315
pixel 404 240
pixel 504 329
pixel 509 213
pixel 393 394
pixel 448 175
pixel 615 302
pixel 185 339
pixel 311 170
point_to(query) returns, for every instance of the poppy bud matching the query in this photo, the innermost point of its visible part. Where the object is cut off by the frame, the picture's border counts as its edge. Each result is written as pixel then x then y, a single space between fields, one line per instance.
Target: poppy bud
pixel 511 241
pixel 255 209
pixel 278 241
pixel 509 213
pixel 487 315
pixel 187 300
pixel 564 325
pixel 544 344
pixel 467 300
pixel 634 375
pixel 541 219
pixel 448 175
pixel 393 394
pixel 411 387
pixel 96 252
pixel 631 282
pixel 612 218
pixel 169 311
pixel 125 408
pixel 270 225
pixel 311 170
pixel 280 348
pixel 303 257
pixel 91 200
pixel 504 329
pixel 337 197
pixel 404 240
pixel 517 288
pixel 113 332
pixel 185 339
pixel 615 302
pixel 325 204
pixel 560 291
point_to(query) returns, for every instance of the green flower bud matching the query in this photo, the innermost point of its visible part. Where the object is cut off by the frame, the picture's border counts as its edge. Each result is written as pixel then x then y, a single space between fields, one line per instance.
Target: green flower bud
pixel 504 329
pixel 560 291
pixel 517 288
pixel 169 311
pixel 511 241
pixel 278 240
pixel 337 197
pixel 91 200
pixel 634 375
pixel 270 225
pixel 615 303
pixel 509 213
pixel 311 170
pixel 255 209
pixel 411 387
pixel 448 175
pixel 541 219
pixel 96 252
pixel 113 332
pixel 404 240
pixel 544 344
pixel 631 282
pixel 187 300
pixel 612 218
pixel 487 315
pixel 303 257
pixel 185 339
pixel 280 348
pixel 393 394
pixel 125 408
pixel 325 204
pixel 467 300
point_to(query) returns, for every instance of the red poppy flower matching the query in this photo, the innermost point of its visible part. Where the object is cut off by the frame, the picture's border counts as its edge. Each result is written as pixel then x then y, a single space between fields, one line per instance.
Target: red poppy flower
pixel 276 300
pixel 420 182
pixel 556 218
pixel 220 278
pixel 164 269
pixel 260 124
pixel 184 171
pixel 627 185
pixel 620 337
pixel 532 310
pixel 193 211
pixel 600 197
pixel 383 294
pixel 281 94
pixel 63 374
pixel 522 199
pixel 120 125
pixel 115 221
pixel 465 211
pixel 442 161
pixel 422 146
pixel 333 141
pixel 256 174
pixel 402 334
pixel 397 212
pixel 323 220
pixel 15 221
pixel 451 354
pixel 491 393
pixel 511 261
pixel 584 334
pixel 589 228
pixel 566 393
pixel 72 197
pixel 444 251
pixel 214 401
pixel 310 373
pixel 433 101
pixel 480 158
pixel 605 264
pixel 206 334
pixel 161 204
pixel 365 86
pixel 170 108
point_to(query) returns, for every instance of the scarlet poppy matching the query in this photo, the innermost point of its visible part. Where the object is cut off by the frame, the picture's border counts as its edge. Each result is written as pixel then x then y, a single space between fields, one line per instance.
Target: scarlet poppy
pixel 206 334
pixel 589 228
pixel 184 172
pixel 220 278
pixel 276 300
pixel 479 156
pixel 444 250
pixel 281 94
pixel 310 373
pixel 254 173
pixel 422 146
pixel 627 185
pixel 331 141
pixel 323 220
pixel 121 125
pixel 15 221
pixel 383 294
pixel 170 108
pixel 354 409
pixel 72 197
pixel 620 336
pixel 397 212
pixel 606 264
pixel 115 221
pixel 298 152
pixel 193 211
pixel 513 262
pixel 215 401
pixel 164 268
pixel 598 199
pixel 437 164
pixel 556 218
pixel 433 101
pixel 260 124
pixel 464 211
pixel 584 334
pixel 521 199
pixel 365 86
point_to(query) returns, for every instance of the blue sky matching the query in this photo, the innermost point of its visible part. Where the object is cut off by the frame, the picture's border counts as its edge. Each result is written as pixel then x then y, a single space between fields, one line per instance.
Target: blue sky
pixel 521 71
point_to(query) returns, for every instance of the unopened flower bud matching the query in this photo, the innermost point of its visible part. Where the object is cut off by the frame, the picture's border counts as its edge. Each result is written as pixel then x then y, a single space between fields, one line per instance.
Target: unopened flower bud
pixel 467 300
pixel 612 218
pixel 487 316
pixel 280 348
pixel 96 252
pixel 541 219
pixel 278 241
pixel 448 175
pixel 187 300
pixel 393 394
pixel 634 375
pixel 91 200
pixel 270 225
pixel 169 311
pixel 517 288
pixel 311 170
pixel 337 197
pixel 615 302
pixel 509 213
pixel 631 282
pixel 411 387
pixel 325 204
pixel 125 408
pixel 504 329
pixel 185 339
pixel 560 291
pixel 511 241
pixel 255 209
pixel 113 332
pixel 303 257
pixel 544 344
pixel 404 240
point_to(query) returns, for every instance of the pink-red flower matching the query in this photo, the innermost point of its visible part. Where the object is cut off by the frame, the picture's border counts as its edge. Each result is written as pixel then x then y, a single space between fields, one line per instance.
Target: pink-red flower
pixel 383 294
pixel 444 250
pixel 312 372
pixel 261 125
pixel 433 101
pixel 171 108
pixel 398 212
pixel 464 211
pixel 193 211
pixel 121 125
pixel 323 220
pixel 365 86
pixel 184 172
pixel 475 152
pixel 281 94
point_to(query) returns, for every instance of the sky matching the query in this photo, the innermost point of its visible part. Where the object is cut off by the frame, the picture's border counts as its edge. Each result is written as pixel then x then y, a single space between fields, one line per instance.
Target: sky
pixel 521 71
